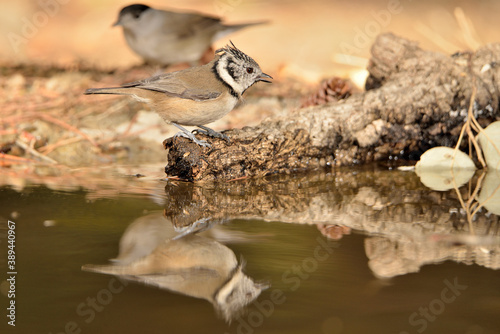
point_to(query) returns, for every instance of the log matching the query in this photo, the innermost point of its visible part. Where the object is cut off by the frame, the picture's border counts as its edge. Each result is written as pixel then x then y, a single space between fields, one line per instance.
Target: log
pixel 407 224
pixel 414 100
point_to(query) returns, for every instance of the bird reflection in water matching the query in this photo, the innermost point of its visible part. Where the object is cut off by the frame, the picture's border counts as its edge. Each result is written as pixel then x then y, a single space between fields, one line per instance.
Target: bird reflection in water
pixel 152 252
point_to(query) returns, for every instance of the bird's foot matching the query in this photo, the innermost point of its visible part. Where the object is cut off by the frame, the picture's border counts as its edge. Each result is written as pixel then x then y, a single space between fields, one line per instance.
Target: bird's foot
pixel 212 133
pixel 189 135
pixel 186 134
pixel 196 227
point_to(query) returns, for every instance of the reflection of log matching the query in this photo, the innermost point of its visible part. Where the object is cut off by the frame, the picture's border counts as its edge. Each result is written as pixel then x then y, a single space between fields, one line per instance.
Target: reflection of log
pixel 415 100
pixel 414 225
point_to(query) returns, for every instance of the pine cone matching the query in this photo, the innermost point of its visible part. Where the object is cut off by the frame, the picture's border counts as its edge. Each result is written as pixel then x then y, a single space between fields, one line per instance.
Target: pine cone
pixel 331 90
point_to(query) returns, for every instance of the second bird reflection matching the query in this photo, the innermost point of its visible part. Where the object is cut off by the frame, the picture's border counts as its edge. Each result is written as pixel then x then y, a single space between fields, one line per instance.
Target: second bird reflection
pixel 194 265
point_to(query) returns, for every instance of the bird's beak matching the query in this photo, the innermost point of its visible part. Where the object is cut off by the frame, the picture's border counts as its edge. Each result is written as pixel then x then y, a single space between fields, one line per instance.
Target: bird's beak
pixel 117 23
pixel 263 76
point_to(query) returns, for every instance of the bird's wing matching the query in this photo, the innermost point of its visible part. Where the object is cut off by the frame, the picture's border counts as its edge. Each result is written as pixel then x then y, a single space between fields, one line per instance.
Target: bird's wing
pixel 172 85
pixel 189 24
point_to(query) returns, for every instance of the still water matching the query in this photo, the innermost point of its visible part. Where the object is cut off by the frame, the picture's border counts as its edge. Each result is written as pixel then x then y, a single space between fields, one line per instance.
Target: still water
pixel 366 250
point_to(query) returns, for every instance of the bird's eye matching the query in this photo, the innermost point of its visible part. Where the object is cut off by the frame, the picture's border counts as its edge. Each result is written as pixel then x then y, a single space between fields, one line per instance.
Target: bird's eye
pixel 249 70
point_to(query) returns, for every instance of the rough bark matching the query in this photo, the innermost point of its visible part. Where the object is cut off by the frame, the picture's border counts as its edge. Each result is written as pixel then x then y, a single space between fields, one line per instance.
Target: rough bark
pixel 415 99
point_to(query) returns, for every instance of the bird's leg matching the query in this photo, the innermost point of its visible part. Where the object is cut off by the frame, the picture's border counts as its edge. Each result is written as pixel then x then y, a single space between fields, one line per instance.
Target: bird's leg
pixel 212 133
pixel 196 227
pixel 186 134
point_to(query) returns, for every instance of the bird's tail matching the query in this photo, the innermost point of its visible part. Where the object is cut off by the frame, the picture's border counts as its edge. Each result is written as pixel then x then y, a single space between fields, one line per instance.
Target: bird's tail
pixel 230 28
pixel 110 90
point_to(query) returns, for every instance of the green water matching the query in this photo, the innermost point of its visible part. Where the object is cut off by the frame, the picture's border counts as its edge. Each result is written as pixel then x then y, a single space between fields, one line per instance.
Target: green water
pixel 387 271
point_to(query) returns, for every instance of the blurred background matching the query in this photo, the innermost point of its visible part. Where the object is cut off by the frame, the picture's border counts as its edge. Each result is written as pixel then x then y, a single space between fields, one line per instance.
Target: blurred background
pixel 308 39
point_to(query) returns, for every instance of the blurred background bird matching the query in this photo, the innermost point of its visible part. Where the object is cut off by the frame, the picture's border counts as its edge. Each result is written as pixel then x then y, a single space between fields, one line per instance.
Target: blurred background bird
pixel 168 37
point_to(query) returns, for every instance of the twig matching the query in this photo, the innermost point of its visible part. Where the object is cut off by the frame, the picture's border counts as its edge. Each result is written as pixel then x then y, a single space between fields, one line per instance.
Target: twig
pixel 460 199
pixel 458 143
pixel 479 152
pixel 471 201
pixel 110 105
pixel 470 122
pixel 471 119
pixel 480 205
pixel 10 157
pixel 13 106
pixel 35 152
pixel 51 119
pixel 435 38
pixel 467 28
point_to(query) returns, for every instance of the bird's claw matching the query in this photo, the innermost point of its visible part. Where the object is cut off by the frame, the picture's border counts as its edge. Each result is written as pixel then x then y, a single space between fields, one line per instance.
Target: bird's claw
pixel 212 133
pixel 200 142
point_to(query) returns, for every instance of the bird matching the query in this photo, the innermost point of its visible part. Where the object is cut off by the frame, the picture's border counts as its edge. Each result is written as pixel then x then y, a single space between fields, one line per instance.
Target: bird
pixel 168 37
pixel 198 95
pixel 196 265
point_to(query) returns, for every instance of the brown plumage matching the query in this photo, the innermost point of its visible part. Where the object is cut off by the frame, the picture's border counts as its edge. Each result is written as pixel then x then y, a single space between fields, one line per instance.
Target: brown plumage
pixel 197 95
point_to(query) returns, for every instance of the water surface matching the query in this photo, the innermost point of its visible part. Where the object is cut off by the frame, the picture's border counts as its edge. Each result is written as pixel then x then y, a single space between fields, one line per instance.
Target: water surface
pixel 359 250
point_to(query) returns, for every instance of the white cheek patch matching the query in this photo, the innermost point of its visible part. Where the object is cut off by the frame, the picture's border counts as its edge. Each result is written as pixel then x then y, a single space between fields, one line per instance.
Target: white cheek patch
pixel 227 77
